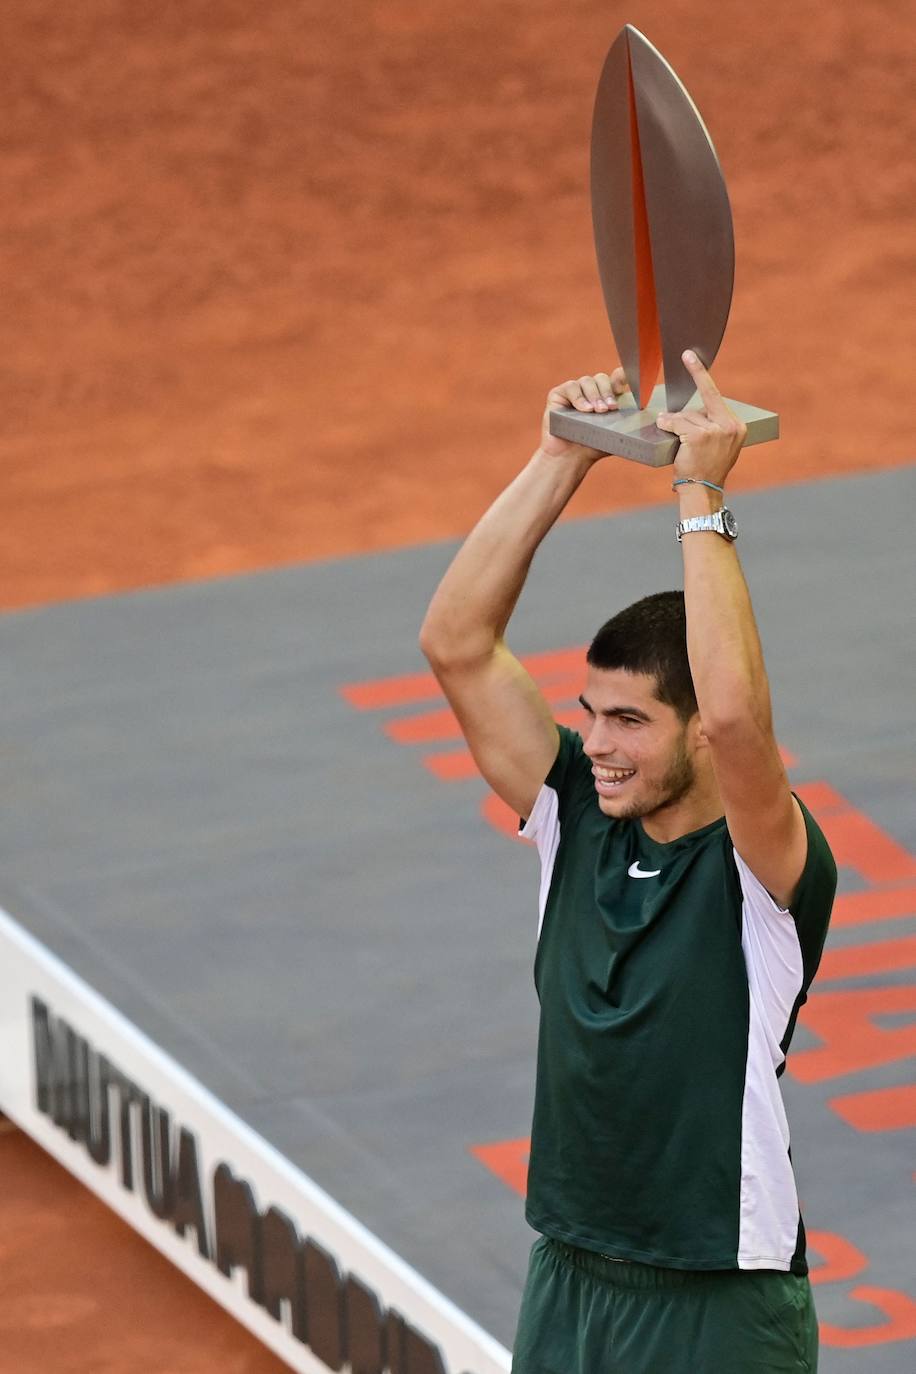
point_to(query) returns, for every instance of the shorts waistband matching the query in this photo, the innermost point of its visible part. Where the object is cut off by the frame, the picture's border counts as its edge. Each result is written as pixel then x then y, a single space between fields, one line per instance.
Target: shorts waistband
pixel 629 1273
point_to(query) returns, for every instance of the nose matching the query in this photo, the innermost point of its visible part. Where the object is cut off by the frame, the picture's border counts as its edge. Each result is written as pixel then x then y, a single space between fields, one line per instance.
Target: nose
pixel 595 739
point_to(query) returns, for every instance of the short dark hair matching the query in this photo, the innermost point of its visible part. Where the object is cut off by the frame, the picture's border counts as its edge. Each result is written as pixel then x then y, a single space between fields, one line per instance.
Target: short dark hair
pixel 650 637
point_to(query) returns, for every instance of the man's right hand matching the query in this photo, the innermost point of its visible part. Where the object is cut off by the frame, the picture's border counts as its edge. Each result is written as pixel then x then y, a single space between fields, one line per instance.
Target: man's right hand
pixel 596 395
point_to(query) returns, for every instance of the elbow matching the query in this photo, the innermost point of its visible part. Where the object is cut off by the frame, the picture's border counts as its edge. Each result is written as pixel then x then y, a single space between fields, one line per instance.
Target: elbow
pixel 447 652
pixel 435 647
pixel 433 639
pixel 431 644
pixel 733 701
pixel 733 719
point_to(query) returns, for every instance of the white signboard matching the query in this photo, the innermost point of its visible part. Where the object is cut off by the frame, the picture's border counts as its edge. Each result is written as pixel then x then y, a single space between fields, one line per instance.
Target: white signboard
pixel 241 1221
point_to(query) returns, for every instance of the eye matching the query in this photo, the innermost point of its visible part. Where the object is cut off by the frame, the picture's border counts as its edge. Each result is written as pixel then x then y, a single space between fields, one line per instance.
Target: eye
pixel 631 720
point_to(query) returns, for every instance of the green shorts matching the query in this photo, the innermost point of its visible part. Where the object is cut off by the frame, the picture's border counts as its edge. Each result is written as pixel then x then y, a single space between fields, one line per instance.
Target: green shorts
pixel 584 1314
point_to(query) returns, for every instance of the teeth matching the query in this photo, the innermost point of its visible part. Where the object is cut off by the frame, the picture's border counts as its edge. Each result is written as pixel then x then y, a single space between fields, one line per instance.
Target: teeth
pixel 613 774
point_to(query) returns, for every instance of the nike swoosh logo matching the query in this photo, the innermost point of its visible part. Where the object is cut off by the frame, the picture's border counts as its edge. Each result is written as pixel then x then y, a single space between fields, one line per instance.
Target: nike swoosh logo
pixel 636 872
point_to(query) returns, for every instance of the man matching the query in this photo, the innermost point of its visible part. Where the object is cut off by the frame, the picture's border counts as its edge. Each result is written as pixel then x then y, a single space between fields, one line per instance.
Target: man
pixel 685 897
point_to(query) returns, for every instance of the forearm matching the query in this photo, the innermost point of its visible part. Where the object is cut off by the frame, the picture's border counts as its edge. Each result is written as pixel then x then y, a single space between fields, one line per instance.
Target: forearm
pixel 723 645
pixel 471 608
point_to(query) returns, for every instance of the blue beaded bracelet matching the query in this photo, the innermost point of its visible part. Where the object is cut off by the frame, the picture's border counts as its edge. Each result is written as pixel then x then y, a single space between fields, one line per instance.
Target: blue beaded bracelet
pixel 696 481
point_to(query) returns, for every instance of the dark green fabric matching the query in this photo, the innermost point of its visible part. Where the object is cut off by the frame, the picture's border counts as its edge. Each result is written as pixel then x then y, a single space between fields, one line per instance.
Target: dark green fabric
pixel 582 1314
pixel 636 1137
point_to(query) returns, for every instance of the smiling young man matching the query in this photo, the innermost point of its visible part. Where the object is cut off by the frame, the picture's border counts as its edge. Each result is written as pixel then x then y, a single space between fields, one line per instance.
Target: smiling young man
pixel 685 896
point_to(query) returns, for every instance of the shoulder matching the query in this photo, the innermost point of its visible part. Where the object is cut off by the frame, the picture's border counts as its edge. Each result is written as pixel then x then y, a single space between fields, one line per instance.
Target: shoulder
pixel 567 802
pixel 812 901
pixel 809 909
pixel 571 775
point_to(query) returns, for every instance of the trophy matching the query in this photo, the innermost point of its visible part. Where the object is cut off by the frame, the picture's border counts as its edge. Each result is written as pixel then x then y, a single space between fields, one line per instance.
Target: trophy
pixel 665 249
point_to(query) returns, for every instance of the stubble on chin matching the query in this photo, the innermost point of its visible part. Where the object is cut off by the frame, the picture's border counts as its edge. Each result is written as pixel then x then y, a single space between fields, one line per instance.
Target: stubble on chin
pixel 674 786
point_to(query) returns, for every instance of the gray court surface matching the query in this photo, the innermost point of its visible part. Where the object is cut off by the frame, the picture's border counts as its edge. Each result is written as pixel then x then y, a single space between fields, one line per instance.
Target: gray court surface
pixel 335 942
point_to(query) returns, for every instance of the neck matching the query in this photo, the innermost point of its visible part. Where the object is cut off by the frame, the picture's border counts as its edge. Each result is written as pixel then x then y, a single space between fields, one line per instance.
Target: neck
pixel 700 806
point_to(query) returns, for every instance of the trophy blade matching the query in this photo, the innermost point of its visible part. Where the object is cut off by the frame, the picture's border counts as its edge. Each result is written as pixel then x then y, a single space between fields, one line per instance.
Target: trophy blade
pixel 613 206
pixel 690 220
pixel 662 220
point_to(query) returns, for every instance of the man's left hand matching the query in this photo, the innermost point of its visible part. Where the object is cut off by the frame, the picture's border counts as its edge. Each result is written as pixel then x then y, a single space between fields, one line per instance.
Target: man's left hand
pixel 711 438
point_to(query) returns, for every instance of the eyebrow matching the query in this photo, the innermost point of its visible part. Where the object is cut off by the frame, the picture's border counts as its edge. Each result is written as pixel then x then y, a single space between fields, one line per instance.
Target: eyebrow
pixel 614 711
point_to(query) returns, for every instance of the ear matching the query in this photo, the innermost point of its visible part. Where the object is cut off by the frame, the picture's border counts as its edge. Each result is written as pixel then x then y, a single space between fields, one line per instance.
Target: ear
pixel 696 734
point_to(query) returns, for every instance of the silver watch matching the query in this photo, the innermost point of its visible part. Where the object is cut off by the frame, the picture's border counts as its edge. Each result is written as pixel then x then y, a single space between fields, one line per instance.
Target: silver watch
pixel 721 522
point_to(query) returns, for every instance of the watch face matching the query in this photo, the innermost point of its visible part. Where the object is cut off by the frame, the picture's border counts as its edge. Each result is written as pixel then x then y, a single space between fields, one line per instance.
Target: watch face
pixel 730 523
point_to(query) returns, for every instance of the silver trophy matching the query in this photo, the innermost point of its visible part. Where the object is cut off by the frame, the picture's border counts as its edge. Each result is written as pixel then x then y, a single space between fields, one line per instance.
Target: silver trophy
pixel 665 249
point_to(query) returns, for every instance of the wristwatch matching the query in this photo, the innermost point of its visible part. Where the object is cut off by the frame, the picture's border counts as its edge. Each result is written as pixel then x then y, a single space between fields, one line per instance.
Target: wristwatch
pixel 720 522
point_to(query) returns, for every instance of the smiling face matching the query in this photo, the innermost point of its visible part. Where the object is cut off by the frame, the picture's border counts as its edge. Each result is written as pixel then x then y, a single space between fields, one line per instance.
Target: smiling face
pixel 642 752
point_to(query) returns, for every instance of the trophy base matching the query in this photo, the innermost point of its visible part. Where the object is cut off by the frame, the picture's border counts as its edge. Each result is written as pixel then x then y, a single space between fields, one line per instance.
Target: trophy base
pixel 631 433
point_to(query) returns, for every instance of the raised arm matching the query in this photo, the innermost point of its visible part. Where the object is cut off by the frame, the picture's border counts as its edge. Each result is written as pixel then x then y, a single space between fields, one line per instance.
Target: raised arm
pixel 726 658
pixel 506 721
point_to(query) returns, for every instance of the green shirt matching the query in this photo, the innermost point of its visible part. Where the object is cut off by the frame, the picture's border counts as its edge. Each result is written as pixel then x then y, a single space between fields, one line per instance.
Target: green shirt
pixel 669 982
